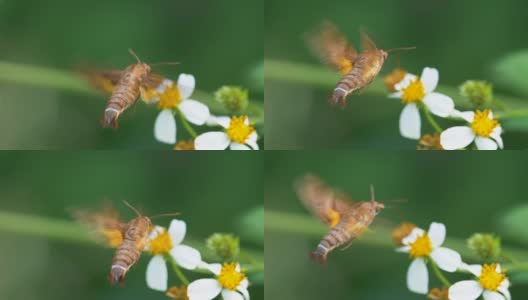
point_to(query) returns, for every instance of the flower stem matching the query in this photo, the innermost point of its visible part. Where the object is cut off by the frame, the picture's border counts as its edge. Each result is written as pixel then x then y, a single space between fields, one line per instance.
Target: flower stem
pixel 186 124
pixel 439 274
pixel 431 120
pixel 176 269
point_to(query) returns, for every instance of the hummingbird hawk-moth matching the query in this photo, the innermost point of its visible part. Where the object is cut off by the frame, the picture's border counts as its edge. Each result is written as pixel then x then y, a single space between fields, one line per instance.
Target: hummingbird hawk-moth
pixel 359 69
pixel 347 220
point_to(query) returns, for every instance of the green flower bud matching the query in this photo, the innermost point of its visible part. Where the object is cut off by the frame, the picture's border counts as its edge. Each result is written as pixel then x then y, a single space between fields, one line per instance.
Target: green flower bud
pixel 234 98
pixel 224 245
pixel 487 246
pixel 478 92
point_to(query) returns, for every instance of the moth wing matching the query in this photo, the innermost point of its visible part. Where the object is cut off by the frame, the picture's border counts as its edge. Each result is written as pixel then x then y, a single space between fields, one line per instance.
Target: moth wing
pixel 103 80
pixel 149 86
pixel 332 47
pixel 321 200
pixel 367 44
pixel 106 225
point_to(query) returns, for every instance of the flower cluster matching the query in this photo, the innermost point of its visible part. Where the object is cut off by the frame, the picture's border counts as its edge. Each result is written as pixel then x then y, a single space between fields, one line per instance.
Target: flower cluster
pixel 173 99
pixel 418 93
pixel 425 247
pixel 166 248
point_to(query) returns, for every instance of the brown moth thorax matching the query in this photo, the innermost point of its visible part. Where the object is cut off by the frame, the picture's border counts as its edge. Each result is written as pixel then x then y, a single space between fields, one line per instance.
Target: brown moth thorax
pixel 138 228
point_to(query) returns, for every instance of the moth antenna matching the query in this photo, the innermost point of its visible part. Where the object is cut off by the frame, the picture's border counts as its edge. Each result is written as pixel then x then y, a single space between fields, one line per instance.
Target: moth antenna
pixel 165 215
pixel 400 49
pixel 165 63
pixel 134 54
pixel 372 195
pixel 132 208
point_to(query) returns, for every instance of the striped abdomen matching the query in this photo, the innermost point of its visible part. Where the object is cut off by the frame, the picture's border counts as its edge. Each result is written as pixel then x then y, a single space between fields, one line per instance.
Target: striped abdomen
pixel 125 94
pixel 364 71
pixel 125 257
pixel 333 239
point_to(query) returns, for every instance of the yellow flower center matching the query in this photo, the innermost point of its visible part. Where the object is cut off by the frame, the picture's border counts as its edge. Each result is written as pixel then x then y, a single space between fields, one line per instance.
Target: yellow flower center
pixel 114 238
pixel 482 125
pixel 170 98
pixel 229 277
pixel 148 95
pixel 422 247
pixel 161 244
pixel 238 131
pixel 414 92
pixel 333 217
pixel 490 279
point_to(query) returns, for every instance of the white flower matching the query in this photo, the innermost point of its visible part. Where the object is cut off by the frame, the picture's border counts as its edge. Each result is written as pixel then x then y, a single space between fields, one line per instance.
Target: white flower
pixel 239 135
pixel 163 242
pixel 491 283
pixel 169 97
pixel 230 282
pixel 483 129
pixel 413 90
pixel 422 246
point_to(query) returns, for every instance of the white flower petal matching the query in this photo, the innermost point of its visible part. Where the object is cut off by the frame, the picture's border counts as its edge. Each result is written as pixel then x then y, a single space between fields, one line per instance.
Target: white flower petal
pixel 415 233
pixel 253 137
pixel 473 269
pixel 214 268
pixel 429 79
pixel 237 146
pixel 157 274
pixel 465 290
pixel 437 234
pixel 163 86
pixel 244 292
pixel 218 120
pixel 396 95
pixel 410 124
pixel 446 259
pixel 186 83
pixel 203 289
pixel 194 111
pixel 456 137
pixel 485 143
pixel 154 233
pixel 407 79
pixel 165 127
pixel 496 135
pixel 468 116
pixel 243 284
pixel 231 295
pixel 214 140
pixel 404 249
pixel 489 295
pixel 177 230
pixel 187 257
pixel 439 104
pixel 417 277
pixel 503 288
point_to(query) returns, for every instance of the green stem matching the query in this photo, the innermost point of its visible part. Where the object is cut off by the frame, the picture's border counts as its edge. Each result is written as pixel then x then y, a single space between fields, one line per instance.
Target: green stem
pixel 74 82
pixel 177 269
pixel 439 274
pixel 186 124
pixel 431 120
pixel 320 77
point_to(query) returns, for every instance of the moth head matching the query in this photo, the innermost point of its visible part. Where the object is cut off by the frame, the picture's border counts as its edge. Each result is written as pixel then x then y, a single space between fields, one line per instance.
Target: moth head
pixel 377 207
pixel 384 54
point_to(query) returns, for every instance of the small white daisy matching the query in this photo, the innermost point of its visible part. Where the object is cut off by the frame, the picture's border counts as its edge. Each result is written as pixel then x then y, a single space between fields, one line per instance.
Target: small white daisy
pixel 163 242
pixel 239 134
pixel 491 283
pixel 413 91
pixel 483 129
pixel 422 246
pixel 170 96
pixel 230 281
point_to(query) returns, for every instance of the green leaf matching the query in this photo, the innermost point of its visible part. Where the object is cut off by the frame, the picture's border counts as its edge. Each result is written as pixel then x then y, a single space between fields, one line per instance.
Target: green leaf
pixel 519 278
pixel 251 226
pixel 514 223
pixel 511 72
pixel 516 124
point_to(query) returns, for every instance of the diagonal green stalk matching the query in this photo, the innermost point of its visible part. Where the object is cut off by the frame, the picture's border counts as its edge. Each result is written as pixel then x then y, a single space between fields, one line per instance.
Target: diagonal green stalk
pixel 176 269
pixel 186 124
pixel 439 274
pixel 431 120
pixel 73 82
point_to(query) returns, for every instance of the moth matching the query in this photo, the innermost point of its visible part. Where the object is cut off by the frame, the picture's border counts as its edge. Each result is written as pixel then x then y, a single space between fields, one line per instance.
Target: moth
pixel 359 69
pixel 126 86
pixel 347 220
pixel 129 238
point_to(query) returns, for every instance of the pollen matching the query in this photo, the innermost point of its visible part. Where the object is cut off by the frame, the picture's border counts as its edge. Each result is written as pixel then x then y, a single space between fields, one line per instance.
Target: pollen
pixel 229 277
pixel 401 232
pixel 161 244
pixel 238 131
pixel 394 77
pixel 185 145
pixel 414 92
pixel 345 66
pixel 430 142
pixel 482 125
pixel 422 247
pixel 177 293
pixel 490 279
pixel 114 238
pixel 170 98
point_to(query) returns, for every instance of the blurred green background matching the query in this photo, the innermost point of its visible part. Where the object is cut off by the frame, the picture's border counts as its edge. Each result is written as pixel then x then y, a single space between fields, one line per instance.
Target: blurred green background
pixel 213 191
pixel 468 193
pixel 220 42
pixel 463 39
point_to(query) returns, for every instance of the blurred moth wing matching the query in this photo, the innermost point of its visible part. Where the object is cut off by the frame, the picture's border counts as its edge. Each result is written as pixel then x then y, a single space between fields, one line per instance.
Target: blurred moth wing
pixel 106 225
